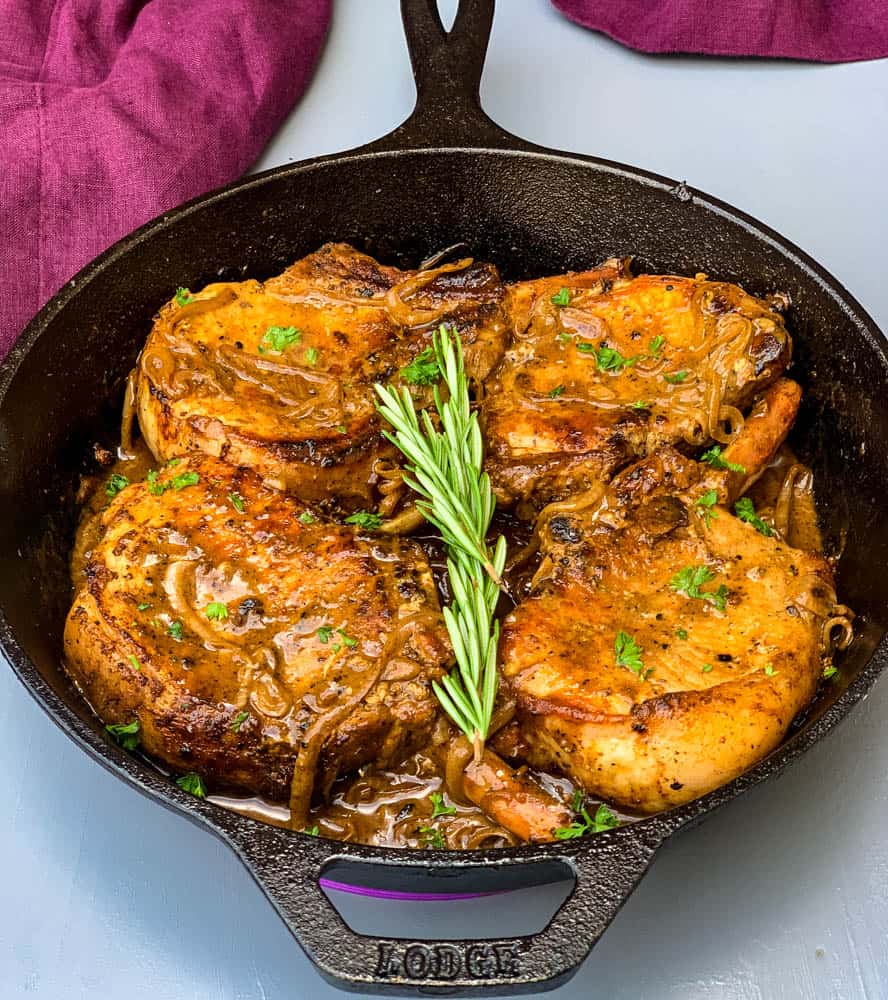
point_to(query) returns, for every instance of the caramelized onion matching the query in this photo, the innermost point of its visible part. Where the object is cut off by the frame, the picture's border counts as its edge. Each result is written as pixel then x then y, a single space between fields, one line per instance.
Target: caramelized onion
pixel 406 315
pixel 125 451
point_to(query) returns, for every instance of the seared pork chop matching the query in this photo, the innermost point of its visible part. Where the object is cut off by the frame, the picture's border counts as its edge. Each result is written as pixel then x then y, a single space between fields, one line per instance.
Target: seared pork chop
pixel 605 368
pixel 668 644
pixel 278 376
pixel 250 637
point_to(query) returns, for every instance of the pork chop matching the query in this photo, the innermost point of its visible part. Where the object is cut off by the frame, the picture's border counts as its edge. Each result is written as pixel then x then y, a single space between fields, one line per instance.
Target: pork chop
pixel 278 376
pixel 604 368
pixel 251 638
pixel 668 643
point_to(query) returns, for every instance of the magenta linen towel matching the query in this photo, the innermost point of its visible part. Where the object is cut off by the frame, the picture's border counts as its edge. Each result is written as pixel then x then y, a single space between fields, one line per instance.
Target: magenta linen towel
pixel 819 30
pixel 112 111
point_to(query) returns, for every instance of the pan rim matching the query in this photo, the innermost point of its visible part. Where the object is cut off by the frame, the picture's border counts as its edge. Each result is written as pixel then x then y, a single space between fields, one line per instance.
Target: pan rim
pixel 230 826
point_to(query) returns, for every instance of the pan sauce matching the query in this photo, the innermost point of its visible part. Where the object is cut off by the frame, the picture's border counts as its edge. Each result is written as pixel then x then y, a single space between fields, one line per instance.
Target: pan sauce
pixel 393 808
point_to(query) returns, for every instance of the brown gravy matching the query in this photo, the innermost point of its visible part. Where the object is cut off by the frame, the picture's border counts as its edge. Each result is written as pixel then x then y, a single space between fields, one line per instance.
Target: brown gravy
pixel 394 808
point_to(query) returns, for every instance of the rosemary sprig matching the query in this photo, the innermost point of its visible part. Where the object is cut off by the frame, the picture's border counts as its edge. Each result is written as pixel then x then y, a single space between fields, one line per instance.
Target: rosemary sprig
pixel 445 469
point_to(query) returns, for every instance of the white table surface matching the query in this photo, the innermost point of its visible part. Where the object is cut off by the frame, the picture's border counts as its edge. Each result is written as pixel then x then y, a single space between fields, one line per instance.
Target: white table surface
pixel 784 894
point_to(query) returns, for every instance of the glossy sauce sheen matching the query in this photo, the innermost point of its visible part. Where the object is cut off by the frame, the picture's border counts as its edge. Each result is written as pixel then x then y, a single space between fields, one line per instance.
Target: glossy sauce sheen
pixel 393 807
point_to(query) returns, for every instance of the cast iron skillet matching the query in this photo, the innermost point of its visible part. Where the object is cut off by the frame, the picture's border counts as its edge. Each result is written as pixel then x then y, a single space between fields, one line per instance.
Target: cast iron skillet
pixel 447 174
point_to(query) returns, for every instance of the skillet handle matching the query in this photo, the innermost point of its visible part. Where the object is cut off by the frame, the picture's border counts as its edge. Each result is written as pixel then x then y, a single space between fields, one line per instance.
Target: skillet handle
pixel 447 68
pixel 606 868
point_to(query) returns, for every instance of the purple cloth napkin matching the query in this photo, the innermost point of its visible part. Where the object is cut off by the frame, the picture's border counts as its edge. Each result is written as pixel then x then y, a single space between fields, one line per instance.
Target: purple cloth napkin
pixel 819 30
pixel 112 111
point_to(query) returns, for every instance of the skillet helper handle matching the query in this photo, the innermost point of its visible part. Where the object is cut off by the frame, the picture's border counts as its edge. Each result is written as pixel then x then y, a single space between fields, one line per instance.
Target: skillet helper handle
pixel 606 869
pixel 447 68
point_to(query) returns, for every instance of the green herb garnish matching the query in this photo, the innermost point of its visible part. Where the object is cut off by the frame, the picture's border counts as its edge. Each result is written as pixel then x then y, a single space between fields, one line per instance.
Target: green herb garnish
pixel 830 671
pixel 607 358
pixel 175 630
pixel 238 721
pixel 445 468
pixel 311 356
pixel 126 735
pixel 312 831
pixel 144 606
pixel 714 458
pixel 689 581
pixel 184 479
pixel 422 370
pixel 183 296
pixel 706 502
pixel 364 519
pixel 628 654
pixel 556 392
pixel 681 633
pixel 324 633
pixel 347 641
pixel 640 404
pixel 655 346
pixel 676 378
pixel 433 837
pixel 563 337
pixel 134 662
pixel 216 611
pixel 561 297
pixel 281 337
pixel 744 508
pixel 770 671
pixel 193 784
pixel 306 517
pixel 116 483
pixel 706 668
pixel 438 806
pixel 603 820
pixel 236 501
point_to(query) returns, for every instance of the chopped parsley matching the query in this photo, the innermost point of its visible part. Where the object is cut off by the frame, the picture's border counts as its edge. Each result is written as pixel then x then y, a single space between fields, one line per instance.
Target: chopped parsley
pixel 770 671
pixel 324 633
pixel 175 630
pixel 561 298
pixel 125 734
pixel 744 508
pixel 603 820
pixel 183 296
pixel 676 378
pixel 193 784
pixel 179 482
pixel 706 502
pixel 236 501
pixel 628 655
pixel 217 611
pixel 830 671
pixel 563 337
pixel 144 606
pixel 656 345
pixel 306 517
pixel 432 837
pixel 281 337
pixel 116 483
pixel 422 370
pixel 364 519
pixel 641 404
pixel 714 458
pixel 184 479
pixel 607 359
pixel 556 392
pixel 347 641
pixel 238 721
pixel 681 633
pixel 706 668
pixel 311 356
pixel 689 580
pixel 438 807
pixel 312 831
pixel 134 662
pixel 340 428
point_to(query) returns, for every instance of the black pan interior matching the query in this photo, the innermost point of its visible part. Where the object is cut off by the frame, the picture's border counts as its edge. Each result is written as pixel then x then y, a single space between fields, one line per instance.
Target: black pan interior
pixel 530 214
